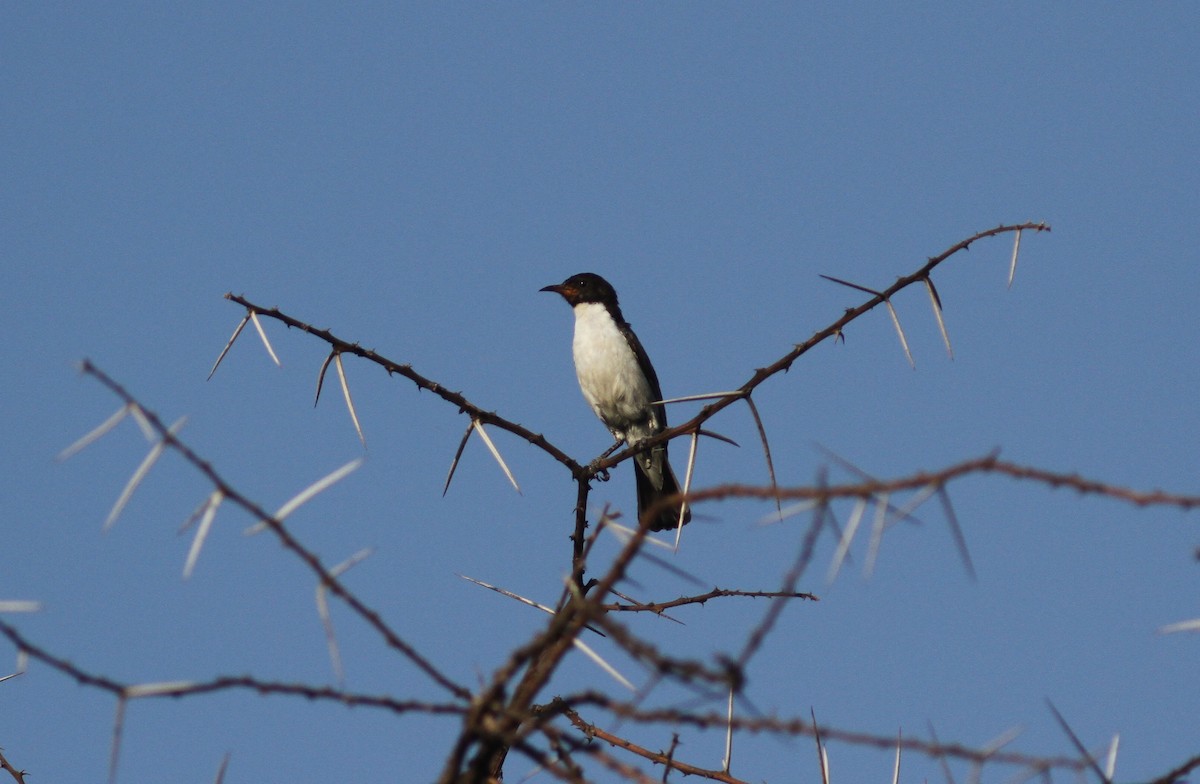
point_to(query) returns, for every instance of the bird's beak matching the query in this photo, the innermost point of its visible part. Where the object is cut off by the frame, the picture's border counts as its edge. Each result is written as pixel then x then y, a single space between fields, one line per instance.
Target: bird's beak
pixel 566 291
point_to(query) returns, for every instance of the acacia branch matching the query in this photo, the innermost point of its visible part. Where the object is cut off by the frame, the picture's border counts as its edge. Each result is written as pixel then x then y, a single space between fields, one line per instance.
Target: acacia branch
pixel 989 464
pixel 834 330
pixel 802 727
pixel 130 691
pixel 406 370
pixel 657 757
pixel 658 608
pixel 5 765
pixel 493 721
pixel 586 472
pixel 168 439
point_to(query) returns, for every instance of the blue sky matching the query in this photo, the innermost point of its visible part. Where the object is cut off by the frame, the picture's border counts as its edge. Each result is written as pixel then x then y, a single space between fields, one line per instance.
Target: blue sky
pixel 409 176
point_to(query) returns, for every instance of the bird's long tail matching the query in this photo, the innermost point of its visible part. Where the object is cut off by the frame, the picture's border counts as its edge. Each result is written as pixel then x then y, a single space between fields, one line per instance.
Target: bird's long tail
pixel 656 480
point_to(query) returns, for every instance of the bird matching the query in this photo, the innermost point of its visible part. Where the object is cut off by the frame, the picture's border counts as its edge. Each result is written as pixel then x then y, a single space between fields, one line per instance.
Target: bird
pixel 619 383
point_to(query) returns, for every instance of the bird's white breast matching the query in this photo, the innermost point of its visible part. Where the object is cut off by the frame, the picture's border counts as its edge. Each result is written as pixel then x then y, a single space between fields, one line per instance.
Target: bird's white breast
pixel 608 372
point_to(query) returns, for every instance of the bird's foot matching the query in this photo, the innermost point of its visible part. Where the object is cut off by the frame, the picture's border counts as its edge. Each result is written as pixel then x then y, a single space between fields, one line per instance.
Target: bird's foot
pixel 617 445
pixel 598 473
pixel 602 473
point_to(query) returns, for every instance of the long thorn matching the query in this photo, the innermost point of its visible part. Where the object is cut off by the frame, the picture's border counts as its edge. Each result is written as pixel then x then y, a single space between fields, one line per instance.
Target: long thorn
pixel 960 541
pixel 860 507
pixel 349 400
pixel 241 325
pixel 702 396
pixel 1110 762
pixel 881 510
pixel 1012 266
pixel 224 766
pixel 719 437
pixel 321 377
pixel 487 440
pixel 1087 757
pixel 900 332
pixel 335 656
pixel 457 454
pixel 114 752
pixel 307 494
pixel 854 286
pixel 96 432
pixel 762 437
pixel 936 301
pixel 206 519
pixel 822 760
pixel 941 757
pixel 140 474
pixel 896 769
pixel 687 485
pixel 262 334
pixel 729 734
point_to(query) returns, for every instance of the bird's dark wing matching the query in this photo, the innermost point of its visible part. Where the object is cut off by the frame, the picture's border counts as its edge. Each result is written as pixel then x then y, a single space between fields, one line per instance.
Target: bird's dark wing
pixel 644 362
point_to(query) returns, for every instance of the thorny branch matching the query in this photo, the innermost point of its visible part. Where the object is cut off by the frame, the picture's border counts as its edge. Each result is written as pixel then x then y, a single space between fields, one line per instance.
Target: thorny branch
pixel 502 715
pixel 455 398
pixel 658 608
pixel 129 691
pixel 658 758
pixel 5 765
pixel 834 330
pixel 586 472
pixel 988 464
pixel 373 619
pixel 796 726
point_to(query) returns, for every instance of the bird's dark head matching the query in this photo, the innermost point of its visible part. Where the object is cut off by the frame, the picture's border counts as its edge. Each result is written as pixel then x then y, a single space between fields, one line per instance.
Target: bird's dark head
pixel 585 287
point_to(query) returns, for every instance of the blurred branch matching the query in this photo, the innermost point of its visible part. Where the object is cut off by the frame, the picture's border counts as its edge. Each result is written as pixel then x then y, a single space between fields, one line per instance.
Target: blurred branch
pixel 989 464
pixel 501 714
pixel 1177 774
pixel 657 757
pixel 802 727
pixel 18 775
pixel 658 608
pixel 130 691
pixel 168 439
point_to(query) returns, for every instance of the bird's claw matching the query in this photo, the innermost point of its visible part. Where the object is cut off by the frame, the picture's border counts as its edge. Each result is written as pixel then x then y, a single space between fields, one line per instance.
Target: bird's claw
pixel 598 473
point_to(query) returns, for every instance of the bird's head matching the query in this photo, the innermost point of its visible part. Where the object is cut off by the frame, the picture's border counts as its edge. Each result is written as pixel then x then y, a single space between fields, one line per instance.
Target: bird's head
pixel 585 287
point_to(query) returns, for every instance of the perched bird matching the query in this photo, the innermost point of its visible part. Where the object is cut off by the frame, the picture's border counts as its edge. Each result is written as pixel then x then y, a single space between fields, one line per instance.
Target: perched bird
pixel 620 385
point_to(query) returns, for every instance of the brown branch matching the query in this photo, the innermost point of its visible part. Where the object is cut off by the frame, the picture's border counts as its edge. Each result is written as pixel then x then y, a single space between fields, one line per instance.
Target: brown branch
pixel 543 654
pixel 834 330
pixel 802 727
pixel 1178 773
pixel 502 716
pixel 495 721
pixel 657 757
pixel 309 558
pixel 456 398
pixel 18 775
pixel 583 472
pixel 658 608
pixel 129 691
pixel 790 580
pixel 989 464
